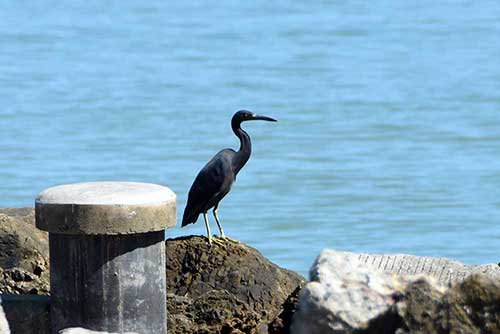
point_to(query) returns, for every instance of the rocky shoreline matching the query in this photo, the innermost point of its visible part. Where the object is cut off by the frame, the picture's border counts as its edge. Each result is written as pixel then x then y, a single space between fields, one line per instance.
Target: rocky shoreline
pixel 229 288
pixel 233 289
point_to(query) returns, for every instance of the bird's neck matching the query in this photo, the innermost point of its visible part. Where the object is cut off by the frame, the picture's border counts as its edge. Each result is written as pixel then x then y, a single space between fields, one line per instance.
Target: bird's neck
pixel 241 157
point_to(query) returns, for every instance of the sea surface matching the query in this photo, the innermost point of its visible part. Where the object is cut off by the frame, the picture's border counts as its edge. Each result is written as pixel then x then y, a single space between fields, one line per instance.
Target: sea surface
pixel 388 137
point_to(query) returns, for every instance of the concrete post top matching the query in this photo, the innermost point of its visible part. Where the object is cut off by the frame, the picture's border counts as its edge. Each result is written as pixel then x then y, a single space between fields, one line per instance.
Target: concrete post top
pixel 107 193
pixel 105 208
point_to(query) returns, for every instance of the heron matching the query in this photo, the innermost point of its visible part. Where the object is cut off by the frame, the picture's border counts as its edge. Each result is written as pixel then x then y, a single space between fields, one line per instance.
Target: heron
pixel 214 181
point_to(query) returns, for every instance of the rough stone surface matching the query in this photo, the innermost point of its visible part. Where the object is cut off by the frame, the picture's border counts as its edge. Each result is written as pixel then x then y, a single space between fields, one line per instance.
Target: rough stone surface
pixel 20 281
pixel 471 306
pixel 345 297
pixel 224 289
pixel 24 253
pixel 446 271
pixel 282 323
pixel 106 208
pixel 349 295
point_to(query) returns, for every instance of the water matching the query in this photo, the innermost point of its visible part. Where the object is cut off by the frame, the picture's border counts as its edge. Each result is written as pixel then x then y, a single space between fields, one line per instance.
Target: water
pixel 388 137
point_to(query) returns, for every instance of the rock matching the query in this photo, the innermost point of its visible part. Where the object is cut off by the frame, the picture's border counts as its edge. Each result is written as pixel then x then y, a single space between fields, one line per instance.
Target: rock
pixel 21 243
pixel 282 323
pixel 446 271
pixel 345 296
pixel 471 306
pixel 474 304
pixel 348 294
pixel 224 289
pixel 24 253
pixel 20 281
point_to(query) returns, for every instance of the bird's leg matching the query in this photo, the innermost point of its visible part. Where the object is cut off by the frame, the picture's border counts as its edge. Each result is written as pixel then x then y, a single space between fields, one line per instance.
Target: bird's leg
pixel 208 228
pixel 218 222
pixel 222 235
pixel 208 231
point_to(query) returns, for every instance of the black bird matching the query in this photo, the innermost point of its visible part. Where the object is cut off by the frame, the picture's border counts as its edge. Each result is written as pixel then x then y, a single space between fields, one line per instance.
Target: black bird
pixel 214 181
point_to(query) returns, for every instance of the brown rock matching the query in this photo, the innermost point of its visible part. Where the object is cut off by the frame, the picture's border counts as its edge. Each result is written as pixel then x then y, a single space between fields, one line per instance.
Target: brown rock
pixel 224 289
pixel 472 306
pixel 21 243
pixel 24 253
pixel 282 323
pixel 476 301
pixel 20 281
pixel 421 309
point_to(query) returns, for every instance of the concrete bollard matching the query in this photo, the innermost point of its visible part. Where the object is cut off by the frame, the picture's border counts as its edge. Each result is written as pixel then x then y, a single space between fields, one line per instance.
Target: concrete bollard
pixel 107 254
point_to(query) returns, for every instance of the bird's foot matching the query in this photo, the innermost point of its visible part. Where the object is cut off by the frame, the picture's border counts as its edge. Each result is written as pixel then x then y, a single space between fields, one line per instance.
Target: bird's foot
pixel 229 239
pixel 217 240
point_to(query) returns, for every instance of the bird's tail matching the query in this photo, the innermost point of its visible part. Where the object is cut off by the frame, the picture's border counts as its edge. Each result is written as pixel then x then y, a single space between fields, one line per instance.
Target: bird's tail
pixel 189 218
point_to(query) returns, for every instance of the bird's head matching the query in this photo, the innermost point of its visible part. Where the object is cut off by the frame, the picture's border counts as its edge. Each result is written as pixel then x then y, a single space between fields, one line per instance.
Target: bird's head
pixel 245 115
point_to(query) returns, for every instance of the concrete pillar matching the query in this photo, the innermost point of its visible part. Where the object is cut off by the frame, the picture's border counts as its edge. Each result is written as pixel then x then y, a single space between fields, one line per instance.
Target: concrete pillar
pixel 107 254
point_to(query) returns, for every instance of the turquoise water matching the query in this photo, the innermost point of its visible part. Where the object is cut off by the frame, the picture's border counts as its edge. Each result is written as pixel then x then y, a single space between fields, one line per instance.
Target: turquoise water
pixel 388 137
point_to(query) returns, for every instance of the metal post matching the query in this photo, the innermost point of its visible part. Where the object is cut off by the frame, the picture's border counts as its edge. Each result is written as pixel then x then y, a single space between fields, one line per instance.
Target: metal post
pixel 107 254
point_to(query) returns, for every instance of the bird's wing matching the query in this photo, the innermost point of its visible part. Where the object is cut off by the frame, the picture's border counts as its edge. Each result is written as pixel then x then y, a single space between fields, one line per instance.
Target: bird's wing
pixel 207 185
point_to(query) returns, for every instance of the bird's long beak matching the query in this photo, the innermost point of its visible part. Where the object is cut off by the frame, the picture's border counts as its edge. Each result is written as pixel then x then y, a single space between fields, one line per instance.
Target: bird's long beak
pixel 263 118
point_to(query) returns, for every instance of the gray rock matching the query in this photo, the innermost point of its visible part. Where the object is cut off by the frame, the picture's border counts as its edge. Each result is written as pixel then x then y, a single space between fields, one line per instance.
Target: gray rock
pixel 446 271
pixel 345 296
pixel 403 294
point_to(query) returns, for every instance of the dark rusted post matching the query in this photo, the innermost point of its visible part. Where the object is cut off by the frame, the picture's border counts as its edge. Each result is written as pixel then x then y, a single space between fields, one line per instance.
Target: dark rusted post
pixel 107 254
